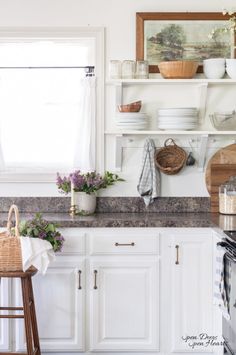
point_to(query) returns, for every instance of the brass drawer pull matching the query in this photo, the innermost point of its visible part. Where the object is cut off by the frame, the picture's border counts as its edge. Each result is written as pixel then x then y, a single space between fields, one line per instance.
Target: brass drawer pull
pixel 79 286
pixel 95 279
pixel 125 245
pixel 177 254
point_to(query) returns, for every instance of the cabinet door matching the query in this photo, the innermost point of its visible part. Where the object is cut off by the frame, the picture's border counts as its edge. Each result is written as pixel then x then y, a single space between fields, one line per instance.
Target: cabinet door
pixel 191 291
pixel 60 307
pixel 4 323
pixel 124 312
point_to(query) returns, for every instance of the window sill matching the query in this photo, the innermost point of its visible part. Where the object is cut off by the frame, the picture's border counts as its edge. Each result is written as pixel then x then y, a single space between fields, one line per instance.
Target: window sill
pixel 28 177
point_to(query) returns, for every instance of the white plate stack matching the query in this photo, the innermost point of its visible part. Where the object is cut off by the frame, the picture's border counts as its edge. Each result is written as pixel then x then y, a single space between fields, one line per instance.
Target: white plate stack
pixel 185 118
pixel 131 120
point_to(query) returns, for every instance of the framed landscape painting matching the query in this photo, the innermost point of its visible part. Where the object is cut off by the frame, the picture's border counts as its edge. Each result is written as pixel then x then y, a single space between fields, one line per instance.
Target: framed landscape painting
pixel 166 36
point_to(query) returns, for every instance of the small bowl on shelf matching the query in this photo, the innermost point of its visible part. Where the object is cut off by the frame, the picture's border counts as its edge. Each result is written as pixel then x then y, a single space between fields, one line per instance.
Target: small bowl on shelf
pixel 231 68
pixel 132 107
pixel 214 68
pixel 224 121
pixel 182 69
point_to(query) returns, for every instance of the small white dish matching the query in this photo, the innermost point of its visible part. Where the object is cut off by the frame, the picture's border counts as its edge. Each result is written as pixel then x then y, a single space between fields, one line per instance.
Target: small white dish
pixel 188 111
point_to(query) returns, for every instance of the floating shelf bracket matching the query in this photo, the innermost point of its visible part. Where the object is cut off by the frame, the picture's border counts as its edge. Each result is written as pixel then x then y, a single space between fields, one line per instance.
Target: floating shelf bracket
pixel 202 99
pixel 118 152
pixel 202 151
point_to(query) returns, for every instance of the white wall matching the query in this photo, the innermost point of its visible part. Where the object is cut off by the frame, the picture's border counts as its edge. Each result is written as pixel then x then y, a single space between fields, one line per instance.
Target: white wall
pixel 118 18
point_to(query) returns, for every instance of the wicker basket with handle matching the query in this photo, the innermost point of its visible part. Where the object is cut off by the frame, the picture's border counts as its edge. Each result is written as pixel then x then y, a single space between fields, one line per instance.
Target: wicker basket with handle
pixel 171 158
pixel 10 246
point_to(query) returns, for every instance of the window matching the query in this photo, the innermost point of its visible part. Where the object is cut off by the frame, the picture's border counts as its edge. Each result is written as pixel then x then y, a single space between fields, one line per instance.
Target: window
pixel 40 102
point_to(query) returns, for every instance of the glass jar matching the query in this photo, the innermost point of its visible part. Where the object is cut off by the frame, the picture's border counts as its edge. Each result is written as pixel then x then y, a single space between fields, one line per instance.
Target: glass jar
pixel 142 70
pixel 128 69
pixel 227 197
pixel 115 69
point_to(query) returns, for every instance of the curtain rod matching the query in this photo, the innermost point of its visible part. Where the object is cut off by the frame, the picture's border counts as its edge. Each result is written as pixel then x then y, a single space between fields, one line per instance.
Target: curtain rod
pixel 88 67
pixel 89 70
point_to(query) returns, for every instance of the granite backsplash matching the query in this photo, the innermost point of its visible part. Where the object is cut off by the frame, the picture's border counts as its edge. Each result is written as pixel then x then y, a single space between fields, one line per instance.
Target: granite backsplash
pixel 109 204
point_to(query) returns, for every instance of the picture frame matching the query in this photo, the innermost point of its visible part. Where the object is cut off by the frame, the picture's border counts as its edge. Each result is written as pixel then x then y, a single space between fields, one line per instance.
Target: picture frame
pixel 191 27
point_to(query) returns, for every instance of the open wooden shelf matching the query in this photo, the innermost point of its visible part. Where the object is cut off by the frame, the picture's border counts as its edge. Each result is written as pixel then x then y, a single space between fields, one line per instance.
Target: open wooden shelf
pixel 167 132
pixel 202 85
pixel 226 81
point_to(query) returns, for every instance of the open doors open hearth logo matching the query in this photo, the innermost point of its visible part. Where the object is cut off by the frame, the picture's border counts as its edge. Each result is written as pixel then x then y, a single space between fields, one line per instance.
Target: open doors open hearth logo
pixel 202 340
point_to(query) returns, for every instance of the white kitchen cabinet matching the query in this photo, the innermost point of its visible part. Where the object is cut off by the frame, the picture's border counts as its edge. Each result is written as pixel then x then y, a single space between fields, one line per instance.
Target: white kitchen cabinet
pixel 60 307
pixel 133 295
pixel 4 323
pixel 190 299
pixel 124 312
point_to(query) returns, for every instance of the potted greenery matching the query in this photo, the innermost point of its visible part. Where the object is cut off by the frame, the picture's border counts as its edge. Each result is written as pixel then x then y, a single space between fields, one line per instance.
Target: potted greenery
pixel 84 188
pixel 38 227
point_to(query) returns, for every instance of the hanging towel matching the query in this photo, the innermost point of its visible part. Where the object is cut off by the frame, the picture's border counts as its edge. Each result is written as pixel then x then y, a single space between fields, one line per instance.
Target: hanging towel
pixel 36 252
pixel 149 185
pixel 222 282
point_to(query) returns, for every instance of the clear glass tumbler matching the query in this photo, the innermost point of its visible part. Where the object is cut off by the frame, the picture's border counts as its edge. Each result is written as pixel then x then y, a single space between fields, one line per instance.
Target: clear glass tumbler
pixel 142 70
pixel 128 69
pixel 115 69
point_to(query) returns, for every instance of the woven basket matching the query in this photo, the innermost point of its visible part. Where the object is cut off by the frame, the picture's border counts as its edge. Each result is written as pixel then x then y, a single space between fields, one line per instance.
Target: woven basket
pixel 180 69
pixel 10 246
pixel 171 158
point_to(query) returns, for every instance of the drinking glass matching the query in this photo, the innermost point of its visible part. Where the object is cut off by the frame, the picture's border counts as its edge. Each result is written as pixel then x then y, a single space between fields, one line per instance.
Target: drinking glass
pixel 115 69
pixel 128 69
pixel 142 69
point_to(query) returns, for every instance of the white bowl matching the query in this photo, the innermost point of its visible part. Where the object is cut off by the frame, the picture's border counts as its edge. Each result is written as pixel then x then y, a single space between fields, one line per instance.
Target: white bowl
pixel 214 68
pixel 231 71
pixel 230 62
pixel 214 62
pixel 212 73
pixel 231 68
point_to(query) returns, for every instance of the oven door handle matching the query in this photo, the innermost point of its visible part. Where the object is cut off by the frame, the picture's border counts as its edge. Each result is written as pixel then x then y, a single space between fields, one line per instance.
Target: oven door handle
pixel 228 251
pixel 230 257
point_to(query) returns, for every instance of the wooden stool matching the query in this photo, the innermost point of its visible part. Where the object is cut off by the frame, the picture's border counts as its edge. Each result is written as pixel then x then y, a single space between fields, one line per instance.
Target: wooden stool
pixel 29 315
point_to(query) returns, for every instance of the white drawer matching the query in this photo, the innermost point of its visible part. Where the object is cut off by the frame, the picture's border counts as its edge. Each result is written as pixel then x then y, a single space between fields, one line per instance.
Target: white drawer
pixel 123 241
pixel 74 241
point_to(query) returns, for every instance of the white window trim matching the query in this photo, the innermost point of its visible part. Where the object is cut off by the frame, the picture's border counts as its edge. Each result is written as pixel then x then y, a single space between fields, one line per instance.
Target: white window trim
pixel 13 33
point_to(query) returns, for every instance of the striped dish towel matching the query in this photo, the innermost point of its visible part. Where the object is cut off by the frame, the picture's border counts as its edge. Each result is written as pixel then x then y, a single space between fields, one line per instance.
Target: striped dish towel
pixel 222 282
pixel 149 184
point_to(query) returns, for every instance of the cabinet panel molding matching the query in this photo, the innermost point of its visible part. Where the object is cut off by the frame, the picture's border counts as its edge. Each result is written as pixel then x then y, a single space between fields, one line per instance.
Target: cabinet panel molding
pixel 60 308
pixel 124 309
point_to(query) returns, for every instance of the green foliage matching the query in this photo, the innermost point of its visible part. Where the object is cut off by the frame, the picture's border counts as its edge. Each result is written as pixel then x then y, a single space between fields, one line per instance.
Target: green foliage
pixel 40 228
pixel 110 179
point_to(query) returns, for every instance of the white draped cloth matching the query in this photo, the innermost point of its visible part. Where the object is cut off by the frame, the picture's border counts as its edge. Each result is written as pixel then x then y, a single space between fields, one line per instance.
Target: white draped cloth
pixel 36 252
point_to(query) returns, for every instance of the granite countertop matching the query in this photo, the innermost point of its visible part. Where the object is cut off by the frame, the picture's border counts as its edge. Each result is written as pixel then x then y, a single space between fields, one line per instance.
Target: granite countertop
pixel 176 212
pixel 177 220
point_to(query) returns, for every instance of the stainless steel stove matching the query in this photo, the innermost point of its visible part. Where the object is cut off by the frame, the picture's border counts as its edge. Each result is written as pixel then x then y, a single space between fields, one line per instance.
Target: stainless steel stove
pixel 231 236
pixel 229 326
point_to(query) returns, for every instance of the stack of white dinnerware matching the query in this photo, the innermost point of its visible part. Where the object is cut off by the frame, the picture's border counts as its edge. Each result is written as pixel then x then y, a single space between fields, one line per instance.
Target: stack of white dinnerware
pixel 131 120
pixel 185 118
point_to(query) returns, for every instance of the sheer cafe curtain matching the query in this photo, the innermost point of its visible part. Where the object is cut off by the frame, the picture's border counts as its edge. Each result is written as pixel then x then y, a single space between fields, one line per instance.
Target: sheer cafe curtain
pixel 85 152
pixel 61 132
